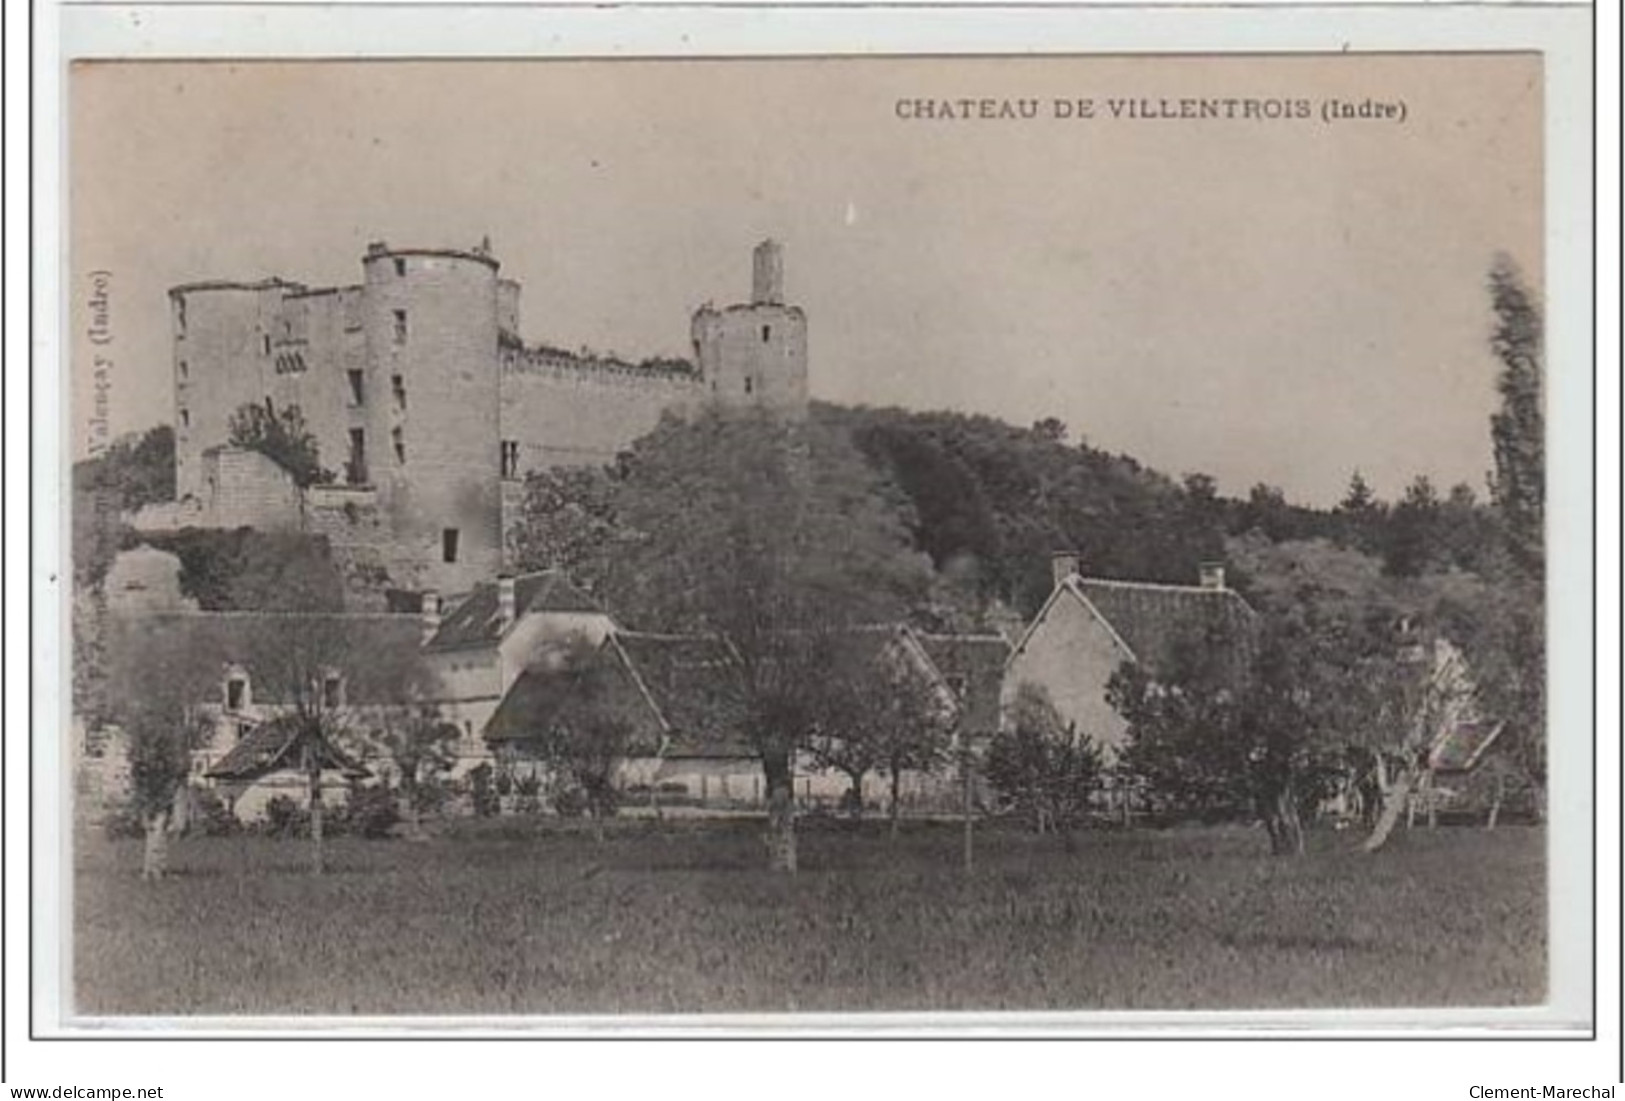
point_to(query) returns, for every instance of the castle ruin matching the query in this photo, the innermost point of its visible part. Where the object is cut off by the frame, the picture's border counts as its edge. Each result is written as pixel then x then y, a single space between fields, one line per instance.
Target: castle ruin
pixel 416 384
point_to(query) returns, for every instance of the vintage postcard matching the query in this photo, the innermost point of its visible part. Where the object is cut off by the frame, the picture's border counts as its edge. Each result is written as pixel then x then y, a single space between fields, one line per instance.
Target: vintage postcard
pixel 1043 541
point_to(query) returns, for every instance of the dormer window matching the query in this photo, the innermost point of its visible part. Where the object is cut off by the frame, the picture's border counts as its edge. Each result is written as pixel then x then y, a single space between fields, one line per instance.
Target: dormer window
pixel 400 265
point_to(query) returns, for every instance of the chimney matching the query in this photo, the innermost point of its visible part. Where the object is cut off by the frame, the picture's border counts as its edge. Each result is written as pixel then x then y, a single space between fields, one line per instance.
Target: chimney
pixel 431 615
pixel 505 600
pixel 767 275
pixel 1211 575
pixel 1064 564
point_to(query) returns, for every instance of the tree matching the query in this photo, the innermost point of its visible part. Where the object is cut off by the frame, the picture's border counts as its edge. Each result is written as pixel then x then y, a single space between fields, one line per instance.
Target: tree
pixel 422 746
pixel 1518 429
pixel 776 538
pixel 311 659
pixel 283 438
pixel 567 520
pixel 586 738
pixel 879 713
pixel 1413 544
pixel 1048 772
pixel 1052 429
pixel 1361 517
pixel 153 694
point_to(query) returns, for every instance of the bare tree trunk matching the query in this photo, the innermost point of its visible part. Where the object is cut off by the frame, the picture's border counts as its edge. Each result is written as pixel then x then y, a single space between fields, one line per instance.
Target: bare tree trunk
pixel 1395 798
pixel 896 810
pixel 965 804
pixel 155 853
pixel 1282 822
pixel 855 795
pixel 1495 807
pixel 781 813
pixel 318 863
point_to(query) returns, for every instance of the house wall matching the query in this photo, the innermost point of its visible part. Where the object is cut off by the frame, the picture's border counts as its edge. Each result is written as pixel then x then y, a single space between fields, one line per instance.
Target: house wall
pixel 1072 656
pixel 539 634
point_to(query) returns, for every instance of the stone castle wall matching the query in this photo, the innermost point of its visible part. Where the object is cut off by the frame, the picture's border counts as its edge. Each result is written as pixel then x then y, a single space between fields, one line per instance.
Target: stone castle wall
pixel 418 389
pixel 565 410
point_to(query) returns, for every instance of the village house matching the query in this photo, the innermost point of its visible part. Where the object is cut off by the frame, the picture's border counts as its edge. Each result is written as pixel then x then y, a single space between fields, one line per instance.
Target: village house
pixel 1089 627
pixel 476 651
pixel 673 693
pixel 243 674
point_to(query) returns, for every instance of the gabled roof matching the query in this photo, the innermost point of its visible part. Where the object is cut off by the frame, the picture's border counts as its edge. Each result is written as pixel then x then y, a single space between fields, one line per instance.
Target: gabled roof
pixel 1463 745
pixel 1150 622
pixel 1155 620
pixel 477 621
pixel 377 653
pixel 980 660
pixel 687 680
pixel 277 745
pixel 668 686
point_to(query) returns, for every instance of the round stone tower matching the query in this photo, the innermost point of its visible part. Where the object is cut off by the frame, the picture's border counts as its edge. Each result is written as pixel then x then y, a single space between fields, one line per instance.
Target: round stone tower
pixel 432 388
pixel 756 353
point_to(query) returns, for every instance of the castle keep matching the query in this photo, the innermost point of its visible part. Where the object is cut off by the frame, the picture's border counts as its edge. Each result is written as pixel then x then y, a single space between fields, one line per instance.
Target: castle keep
pixel 428 405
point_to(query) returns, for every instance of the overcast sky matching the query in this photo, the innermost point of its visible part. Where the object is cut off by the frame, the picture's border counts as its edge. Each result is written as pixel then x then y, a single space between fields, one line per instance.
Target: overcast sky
pixel 1276 300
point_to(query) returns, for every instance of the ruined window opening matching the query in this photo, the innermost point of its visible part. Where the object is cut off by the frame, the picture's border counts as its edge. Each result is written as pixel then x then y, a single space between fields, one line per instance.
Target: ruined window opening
pixel 356 471
pixel 180 316
pixel 358 392
pixel 510 458
pixel 236 693
pixel 400 265
pixel 265 343
pixel 400 326
pixel 749 383
pixel 398 385
pixel 767 332
pixel 186 418
pixel 399 439
pixel 448 545
pixel 183 370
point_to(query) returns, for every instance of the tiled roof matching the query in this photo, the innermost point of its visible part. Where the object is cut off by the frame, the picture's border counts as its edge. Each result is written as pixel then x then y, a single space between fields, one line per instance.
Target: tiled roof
pixel 689 681
pixel 539 695
pixel 980 660
pixel 477 621
pixel 276 745
pixel 376 653
pixel 1155 621
pixel 668 686
pixel 1461 747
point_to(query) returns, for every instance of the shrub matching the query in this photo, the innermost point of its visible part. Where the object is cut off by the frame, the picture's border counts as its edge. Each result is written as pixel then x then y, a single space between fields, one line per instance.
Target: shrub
pixel 570 802
pixel 483 792
pixel 124 821
pixel 528 792
pixel 371 811
pixel 212 813
pixel 286 818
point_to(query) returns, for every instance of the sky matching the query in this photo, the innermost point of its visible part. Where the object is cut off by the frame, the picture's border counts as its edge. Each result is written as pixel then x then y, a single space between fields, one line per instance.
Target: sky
pixel 1264 299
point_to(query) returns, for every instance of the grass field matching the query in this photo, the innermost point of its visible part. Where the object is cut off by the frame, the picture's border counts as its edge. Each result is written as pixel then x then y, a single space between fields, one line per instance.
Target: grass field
pixel 506 916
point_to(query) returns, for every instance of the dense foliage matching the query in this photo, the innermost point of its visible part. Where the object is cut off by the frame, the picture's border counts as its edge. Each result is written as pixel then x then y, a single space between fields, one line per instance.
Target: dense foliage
pixel 282 437
pixel 1043 771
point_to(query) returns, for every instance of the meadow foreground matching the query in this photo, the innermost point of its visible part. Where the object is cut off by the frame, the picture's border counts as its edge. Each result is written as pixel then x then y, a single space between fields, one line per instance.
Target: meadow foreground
pixel 518 917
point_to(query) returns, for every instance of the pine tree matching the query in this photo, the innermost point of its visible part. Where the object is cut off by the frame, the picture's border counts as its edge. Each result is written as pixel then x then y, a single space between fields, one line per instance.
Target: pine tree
pixel 1518 485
